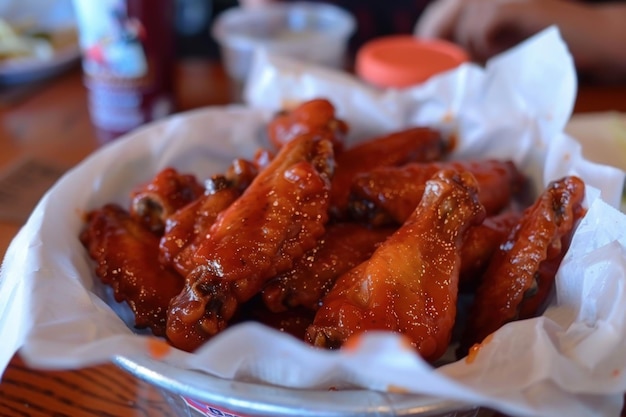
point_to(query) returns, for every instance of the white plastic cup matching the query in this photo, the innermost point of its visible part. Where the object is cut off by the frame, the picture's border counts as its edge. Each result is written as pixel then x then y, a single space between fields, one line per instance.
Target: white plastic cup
pixel 312 32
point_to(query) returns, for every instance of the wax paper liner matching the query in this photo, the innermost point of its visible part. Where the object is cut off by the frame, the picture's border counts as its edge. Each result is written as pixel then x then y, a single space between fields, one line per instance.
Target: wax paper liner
pixel 566 362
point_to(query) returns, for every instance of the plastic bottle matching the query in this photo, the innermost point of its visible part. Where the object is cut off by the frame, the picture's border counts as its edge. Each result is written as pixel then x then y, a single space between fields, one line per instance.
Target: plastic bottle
pixel 128 61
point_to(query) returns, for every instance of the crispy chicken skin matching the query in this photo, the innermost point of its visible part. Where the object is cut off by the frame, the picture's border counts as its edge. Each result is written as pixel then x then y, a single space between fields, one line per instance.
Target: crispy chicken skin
pixel 415 144
pixel 343 246
pixel 168 191
pixel 313 116
pixel 279 217
pixel 390 194
pixel 409 285
pixel 125 252
pixel 524 266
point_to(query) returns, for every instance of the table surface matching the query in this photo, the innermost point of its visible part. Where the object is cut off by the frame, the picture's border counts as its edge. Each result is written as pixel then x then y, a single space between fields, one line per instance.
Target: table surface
pixel 52 120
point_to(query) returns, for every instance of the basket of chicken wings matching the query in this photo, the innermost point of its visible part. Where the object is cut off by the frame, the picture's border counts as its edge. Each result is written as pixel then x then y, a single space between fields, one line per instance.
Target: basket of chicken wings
pixel 291 260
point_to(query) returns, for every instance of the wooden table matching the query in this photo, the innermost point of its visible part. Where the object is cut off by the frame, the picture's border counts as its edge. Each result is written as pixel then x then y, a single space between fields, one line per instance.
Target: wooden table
pixel 53 121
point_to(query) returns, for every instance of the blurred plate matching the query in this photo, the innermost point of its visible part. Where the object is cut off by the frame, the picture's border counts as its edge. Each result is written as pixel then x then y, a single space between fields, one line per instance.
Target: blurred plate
pixel 23 70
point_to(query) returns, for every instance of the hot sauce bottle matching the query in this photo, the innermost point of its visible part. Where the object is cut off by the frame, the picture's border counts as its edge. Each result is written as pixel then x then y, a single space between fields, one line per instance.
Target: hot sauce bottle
pixel 128 61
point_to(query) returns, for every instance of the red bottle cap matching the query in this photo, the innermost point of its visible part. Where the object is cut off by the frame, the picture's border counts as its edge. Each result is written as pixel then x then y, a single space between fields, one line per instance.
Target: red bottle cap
pixel 404 60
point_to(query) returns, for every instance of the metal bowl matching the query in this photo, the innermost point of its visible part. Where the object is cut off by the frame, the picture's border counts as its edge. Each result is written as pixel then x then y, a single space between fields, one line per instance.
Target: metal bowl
pixel 192 393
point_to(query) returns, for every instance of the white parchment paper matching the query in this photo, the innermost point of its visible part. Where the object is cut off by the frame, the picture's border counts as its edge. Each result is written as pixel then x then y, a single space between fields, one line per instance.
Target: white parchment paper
pixel 567 362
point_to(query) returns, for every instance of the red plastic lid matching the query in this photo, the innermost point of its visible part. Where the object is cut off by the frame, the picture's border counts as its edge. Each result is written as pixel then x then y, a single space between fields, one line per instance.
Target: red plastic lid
pixel 404 60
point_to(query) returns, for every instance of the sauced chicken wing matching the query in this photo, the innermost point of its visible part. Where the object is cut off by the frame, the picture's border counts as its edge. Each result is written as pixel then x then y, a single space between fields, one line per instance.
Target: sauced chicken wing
pixel 409 285
pixel 416 144
pixel 167 192
pixel 481 242
pixel 343 246
pixel 187 228
pixel 390 194
pixel 529 258
pixel 313 116
pixel 125 252
pixel 276 220
pixel 241 171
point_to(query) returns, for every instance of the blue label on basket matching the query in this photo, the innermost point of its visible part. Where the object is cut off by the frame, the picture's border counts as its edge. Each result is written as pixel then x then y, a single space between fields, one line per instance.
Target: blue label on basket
pixel 209 410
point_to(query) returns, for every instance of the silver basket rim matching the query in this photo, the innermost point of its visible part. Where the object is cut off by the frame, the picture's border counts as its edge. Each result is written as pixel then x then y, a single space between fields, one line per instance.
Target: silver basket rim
pixel 261 400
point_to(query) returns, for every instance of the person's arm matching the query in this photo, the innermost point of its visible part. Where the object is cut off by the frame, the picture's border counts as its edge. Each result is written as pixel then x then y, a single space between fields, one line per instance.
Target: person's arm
pixel 595 34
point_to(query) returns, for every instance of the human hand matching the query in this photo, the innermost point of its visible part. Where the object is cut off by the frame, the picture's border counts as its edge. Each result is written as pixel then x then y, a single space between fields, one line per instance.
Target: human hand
pixel 487 27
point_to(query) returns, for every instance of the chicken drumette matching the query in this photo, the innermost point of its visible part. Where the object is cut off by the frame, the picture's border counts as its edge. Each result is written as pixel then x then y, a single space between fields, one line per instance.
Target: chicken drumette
pixel 409 285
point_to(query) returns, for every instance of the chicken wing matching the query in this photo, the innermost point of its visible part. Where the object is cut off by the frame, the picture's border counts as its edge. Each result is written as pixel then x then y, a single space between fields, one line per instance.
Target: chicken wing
pixel 240 173
pixel 168 191
pixel 416 144
pixel 528 259
pixel 313 116
pixel 481 242
pixel 125 252
pixel 279 217
pixel 343 246
pixel 409 285
pixel 390 194
pixel 188 227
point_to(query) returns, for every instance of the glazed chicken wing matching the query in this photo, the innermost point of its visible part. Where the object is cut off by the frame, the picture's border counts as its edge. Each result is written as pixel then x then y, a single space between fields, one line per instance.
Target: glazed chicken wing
pixel 125 254
pixel 390 194
pixel 409 285
pixel 279 217
pixel 481 242
pixel 524 266
pixel 343 246
pixel 416 144
pixel 313 116
pixel 187 228
pixel 167 192
pixel 242 172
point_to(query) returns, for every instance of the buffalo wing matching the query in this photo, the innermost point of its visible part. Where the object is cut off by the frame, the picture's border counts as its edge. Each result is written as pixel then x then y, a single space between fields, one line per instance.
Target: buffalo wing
pixel 125 252
pixel 390 194
pixel 167 192
pixel 416 144
pixel 315 116
pixel 523 268
pixel 276 220
pixel 481 242
pixel 409 285
pixel 187 228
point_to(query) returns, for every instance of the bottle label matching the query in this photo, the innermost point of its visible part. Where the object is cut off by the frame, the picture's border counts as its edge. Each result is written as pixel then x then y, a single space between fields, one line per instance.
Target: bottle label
pixel 125 80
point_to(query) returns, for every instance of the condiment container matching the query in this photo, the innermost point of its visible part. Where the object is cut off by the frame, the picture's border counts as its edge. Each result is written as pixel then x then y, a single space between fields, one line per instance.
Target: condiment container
pixel 400 61
pixel 315 33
